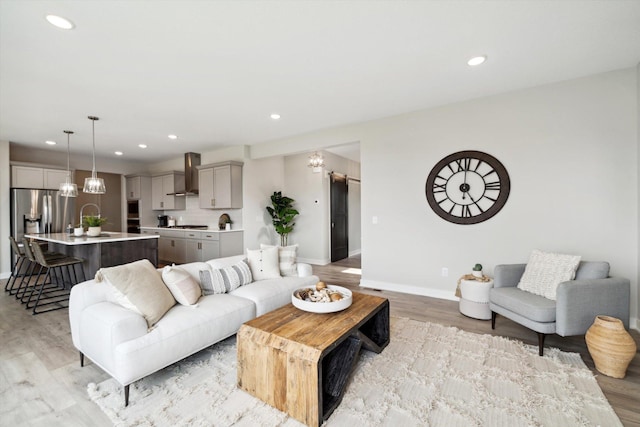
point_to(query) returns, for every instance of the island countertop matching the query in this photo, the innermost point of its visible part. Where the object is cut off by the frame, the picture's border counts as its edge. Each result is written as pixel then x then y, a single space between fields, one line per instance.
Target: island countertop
pixel 105 237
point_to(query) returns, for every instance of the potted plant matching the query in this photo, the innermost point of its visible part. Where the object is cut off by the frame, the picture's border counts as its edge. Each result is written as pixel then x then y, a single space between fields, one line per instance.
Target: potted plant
pixel 94 224
pixel 477 271
pixel 282 214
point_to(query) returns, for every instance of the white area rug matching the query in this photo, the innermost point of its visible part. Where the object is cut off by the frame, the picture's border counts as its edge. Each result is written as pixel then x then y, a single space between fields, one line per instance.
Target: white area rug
pixel 429 375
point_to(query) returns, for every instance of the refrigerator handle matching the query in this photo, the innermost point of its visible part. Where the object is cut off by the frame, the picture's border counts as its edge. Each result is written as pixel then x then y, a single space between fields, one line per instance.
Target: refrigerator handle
pixel 46 213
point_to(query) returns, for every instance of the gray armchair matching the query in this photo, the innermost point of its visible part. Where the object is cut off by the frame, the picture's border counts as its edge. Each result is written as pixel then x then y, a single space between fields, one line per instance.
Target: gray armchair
pixel 577 302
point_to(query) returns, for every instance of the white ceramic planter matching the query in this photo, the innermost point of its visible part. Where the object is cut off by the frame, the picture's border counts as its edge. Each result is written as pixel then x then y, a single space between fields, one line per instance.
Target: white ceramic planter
pixel 94 231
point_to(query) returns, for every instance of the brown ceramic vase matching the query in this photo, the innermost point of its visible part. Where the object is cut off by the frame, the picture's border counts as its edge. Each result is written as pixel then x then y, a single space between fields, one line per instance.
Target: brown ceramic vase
pixel 610 346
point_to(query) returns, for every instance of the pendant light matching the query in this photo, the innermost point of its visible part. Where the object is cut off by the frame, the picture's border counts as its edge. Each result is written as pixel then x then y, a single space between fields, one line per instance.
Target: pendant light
pixel 68 188
pixel 94 185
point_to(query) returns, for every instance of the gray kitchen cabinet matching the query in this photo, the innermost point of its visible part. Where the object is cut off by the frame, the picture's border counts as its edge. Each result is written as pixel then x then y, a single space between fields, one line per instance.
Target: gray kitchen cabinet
pixel 162 186
pixel 36 177
pixel 182 246
pixel 220 185
pixel 172 246
pixel 134 187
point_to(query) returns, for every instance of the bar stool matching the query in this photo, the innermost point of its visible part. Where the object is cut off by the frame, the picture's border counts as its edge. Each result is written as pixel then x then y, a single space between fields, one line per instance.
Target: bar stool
pixel 54 289
pixel 17 266
pixel 30 271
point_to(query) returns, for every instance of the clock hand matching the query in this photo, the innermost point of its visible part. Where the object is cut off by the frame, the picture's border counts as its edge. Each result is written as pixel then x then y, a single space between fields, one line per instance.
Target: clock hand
pixel 464 185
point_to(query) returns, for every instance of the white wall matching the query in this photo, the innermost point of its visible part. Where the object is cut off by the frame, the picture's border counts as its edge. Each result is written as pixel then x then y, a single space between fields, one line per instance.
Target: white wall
pixel 571 150
pixel 260 179
pixel 5 211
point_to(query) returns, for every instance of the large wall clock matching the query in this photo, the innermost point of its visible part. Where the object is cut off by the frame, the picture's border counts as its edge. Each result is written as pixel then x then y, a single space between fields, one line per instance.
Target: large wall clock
pixel 467 187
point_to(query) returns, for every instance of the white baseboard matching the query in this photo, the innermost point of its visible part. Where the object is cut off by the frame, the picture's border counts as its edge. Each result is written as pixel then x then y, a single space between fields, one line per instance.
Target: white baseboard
pixel 635 324
pixel 5 275
pixel 409 289
pixel 315 261
pixel 355 252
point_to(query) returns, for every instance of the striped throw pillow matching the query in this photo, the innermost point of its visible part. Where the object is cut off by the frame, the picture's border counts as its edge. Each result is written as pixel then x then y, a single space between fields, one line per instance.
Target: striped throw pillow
pixel 212 282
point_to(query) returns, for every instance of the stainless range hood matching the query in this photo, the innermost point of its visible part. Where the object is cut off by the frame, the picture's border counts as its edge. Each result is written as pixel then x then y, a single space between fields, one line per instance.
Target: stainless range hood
pixel 191 160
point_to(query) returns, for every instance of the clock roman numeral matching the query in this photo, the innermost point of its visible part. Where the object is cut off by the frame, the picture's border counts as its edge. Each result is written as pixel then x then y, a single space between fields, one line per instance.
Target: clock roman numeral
pixel 495 185
pixel 440 188
pixel 466 211
pixel 463 164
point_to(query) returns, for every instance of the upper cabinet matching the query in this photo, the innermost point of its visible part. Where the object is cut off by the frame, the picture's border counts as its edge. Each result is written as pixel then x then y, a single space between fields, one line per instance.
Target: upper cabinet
pixel 133 187
pixel 161 188
pixel 220 185
pixel 33 177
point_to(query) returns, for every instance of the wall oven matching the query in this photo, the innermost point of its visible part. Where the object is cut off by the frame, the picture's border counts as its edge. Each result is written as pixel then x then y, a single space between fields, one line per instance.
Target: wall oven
pixel 133 216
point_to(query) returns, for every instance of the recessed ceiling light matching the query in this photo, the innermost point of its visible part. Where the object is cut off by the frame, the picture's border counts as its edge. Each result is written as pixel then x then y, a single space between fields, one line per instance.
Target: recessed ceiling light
pixel 275 116
pixel 477 60
pixel 119 153
pixel 60 22
pixel 172 136
pixel 142 145
pixel 50 142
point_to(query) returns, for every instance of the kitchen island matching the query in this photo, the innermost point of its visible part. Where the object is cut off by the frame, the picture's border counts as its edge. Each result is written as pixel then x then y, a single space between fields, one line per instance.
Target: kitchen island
pixel 107 250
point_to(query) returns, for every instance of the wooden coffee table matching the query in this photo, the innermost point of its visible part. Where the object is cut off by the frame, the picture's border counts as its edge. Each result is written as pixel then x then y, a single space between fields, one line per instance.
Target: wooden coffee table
pixel 300 362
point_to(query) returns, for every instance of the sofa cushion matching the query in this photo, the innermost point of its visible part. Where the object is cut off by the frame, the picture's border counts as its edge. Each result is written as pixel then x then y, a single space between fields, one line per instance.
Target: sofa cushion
pixel 287 259
pixel 225 262
pixel 267 295
pixel 143 287
pixel 592 270
pixel 181 332
pixel 194 269
pixel 264 263
pixel 546 270
pixel 533 307
pixel 183 287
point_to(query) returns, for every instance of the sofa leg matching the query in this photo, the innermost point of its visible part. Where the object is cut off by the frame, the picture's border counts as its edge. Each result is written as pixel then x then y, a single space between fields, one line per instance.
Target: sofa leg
pixel 541 338
pixel 493 319
pixel 81 359
pixel 126 395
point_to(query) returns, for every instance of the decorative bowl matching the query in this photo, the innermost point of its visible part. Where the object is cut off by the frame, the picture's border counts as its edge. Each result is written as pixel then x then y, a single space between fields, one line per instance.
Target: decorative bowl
pixel 324 307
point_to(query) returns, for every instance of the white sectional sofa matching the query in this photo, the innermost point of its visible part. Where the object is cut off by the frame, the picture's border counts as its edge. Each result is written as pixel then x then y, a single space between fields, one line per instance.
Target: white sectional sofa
pixel 119 341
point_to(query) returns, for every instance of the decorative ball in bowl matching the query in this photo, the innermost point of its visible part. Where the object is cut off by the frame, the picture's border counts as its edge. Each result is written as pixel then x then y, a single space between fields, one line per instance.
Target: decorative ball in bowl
pixel 322 299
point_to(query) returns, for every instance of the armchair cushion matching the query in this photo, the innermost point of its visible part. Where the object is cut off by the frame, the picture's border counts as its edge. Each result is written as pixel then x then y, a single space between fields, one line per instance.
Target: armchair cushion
pixel 545 271
pixel 533 307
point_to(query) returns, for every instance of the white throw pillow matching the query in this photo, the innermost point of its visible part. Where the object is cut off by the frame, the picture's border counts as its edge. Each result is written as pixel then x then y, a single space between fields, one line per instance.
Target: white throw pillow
pixel 287 259
pixel 545 271
pixel 264 263
pixel 139 284
pixel 182 286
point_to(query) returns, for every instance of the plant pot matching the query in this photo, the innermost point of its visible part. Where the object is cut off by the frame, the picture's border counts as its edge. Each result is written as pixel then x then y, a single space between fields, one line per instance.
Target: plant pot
pixel 94 231
pixel 477 274
pixel 610 346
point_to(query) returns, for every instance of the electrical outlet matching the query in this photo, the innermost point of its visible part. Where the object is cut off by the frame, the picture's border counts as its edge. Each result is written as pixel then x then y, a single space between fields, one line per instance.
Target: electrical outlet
pixel 445 272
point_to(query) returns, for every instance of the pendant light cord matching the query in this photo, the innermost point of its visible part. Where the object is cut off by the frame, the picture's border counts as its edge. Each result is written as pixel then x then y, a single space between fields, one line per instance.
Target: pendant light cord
pixel 68 132
pixel 93 131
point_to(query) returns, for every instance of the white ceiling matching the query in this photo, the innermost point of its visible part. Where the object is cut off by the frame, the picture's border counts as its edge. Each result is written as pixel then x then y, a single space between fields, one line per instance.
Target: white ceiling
pixel 213 71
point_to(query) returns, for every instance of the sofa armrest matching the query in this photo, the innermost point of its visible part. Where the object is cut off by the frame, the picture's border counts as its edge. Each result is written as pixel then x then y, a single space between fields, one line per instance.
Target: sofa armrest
pixel 103 327
pixel 304 270
pixel 578 302
pixel 507 275
pixel 82 296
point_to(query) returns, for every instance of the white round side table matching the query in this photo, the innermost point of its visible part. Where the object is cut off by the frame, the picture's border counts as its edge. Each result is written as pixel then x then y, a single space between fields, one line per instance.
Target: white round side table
pixel 474 300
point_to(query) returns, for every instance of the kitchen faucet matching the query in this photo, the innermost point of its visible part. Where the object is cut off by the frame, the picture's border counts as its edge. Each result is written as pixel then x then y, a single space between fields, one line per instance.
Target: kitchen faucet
pixel 84 206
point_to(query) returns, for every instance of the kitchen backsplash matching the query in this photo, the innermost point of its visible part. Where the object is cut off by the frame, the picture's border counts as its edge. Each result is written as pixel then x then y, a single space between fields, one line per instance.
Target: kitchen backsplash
pixel 194 215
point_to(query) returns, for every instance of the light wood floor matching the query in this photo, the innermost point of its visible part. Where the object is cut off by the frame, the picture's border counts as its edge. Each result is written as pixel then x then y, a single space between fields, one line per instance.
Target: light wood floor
pixel 42 384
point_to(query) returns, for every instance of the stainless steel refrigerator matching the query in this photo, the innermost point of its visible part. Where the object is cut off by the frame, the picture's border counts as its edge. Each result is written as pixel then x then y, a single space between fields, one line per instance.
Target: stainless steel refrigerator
pixel 40 211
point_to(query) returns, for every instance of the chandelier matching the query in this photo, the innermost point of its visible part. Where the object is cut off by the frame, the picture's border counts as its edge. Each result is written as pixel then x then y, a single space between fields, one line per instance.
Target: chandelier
pixel 68 188
pixel 316 161
pixel 94 185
